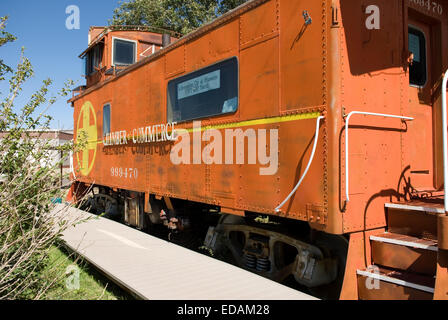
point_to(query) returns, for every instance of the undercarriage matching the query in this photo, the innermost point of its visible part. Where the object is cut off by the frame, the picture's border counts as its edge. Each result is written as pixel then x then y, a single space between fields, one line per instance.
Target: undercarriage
pixel 285 251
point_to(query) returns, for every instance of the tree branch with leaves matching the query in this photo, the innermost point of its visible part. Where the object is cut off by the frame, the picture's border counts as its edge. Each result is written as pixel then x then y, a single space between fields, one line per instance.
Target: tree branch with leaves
pixel 182 16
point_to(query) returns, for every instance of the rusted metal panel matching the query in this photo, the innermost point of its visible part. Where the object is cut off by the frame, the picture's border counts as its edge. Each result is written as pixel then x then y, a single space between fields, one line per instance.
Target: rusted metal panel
pixel 304 53
pixel 224 41
pixel 412 223
pixel 197 53
pixel 287 68
pixel 175 181
pixel 260 23
pixel 316 214
pixel 390 291
pixel 440 291
pixel 404 258
pixel 355 261
pixel 259 92
pixel 368 244
pixel 175 62
pixel 442 231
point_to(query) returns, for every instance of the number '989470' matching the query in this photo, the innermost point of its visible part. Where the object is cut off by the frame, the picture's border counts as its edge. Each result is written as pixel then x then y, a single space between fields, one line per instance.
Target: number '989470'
pixel 430 5
pixel 124 173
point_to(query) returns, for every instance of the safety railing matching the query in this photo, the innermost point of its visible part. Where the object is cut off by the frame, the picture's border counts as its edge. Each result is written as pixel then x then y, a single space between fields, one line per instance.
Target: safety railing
pixel 445 148
pixel 347 123
pixel 316 138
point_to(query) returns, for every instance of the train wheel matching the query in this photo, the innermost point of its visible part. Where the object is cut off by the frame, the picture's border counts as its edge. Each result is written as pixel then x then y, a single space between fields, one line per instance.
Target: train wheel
pixel 268 252
pixel 231 249
pixel 336 247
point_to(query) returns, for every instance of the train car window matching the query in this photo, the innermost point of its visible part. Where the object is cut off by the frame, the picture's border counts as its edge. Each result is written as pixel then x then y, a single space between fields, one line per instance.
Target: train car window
pixel 417 46
pixel 123 52
pixel 93 59
pixel 106 120
pixel 208 92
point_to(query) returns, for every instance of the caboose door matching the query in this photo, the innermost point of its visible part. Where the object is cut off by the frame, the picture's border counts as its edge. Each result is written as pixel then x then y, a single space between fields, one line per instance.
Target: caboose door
pixel 424 70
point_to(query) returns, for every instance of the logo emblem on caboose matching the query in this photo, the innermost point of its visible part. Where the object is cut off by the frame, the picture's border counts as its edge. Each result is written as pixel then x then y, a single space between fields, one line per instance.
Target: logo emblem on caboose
pixel 87 137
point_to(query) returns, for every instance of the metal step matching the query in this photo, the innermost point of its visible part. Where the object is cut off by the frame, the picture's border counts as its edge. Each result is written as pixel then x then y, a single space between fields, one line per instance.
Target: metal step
pixel 390 284
pixel 413 218
pixel 407 241
pixel 419 206
pixel 405 253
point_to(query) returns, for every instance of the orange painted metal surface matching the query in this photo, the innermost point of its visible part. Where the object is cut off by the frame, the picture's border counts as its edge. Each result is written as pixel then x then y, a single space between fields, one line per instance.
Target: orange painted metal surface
pixel 441 292
pixel 289 74
pixel 355 261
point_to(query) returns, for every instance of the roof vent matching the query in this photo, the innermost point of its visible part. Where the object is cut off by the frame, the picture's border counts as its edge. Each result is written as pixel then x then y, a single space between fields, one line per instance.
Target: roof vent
pixel 166 40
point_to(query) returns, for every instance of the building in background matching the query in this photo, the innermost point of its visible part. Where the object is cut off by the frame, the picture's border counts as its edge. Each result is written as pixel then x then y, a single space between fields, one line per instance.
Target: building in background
pixel 54 138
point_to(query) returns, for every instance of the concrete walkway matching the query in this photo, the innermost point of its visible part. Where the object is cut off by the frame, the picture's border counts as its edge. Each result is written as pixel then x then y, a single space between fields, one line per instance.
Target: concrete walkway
pixel 154 269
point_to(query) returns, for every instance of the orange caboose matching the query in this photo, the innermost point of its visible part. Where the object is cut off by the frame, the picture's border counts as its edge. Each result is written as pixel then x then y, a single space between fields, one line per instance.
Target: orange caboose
pixel 325 116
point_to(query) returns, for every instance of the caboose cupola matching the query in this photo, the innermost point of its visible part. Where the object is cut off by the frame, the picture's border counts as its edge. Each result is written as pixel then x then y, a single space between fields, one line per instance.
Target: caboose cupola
pixel 114 48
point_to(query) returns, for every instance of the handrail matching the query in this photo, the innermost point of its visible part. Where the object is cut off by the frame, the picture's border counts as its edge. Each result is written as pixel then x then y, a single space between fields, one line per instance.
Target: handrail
pixel 316 138
pixel 347 121
pixel 445 148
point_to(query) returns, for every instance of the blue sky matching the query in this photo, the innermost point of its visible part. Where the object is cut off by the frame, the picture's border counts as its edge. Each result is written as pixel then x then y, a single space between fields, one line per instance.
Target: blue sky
pixel 52 49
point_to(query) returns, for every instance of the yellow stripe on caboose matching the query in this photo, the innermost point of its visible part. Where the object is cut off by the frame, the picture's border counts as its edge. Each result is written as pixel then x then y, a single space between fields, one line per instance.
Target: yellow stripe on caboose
pixel 257 122
pixel 251 123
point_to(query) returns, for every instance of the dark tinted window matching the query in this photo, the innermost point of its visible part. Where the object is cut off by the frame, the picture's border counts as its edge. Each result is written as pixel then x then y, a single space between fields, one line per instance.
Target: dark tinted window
pixel 417 45
pixel 208 92
pixel 124 52
pixel 106 120
pixel 93 59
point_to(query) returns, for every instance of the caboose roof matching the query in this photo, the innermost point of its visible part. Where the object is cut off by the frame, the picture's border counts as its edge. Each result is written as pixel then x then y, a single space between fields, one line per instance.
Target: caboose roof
pixel 105 30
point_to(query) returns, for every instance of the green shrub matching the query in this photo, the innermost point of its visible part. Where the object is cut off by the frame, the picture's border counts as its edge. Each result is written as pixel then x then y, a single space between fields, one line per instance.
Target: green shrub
pixel 29 182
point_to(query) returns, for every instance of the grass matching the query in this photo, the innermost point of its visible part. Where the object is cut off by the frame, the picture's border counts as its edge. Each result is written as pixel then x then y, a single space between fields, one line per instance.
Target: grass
pixel 92 284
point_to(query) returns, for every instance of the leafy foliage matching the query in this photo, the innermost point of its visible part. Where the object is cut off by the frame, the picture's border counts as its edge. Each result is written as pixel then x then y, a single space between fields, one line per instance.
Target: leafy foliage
pixel 5 37
pixel 29 181
pixel 182 16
